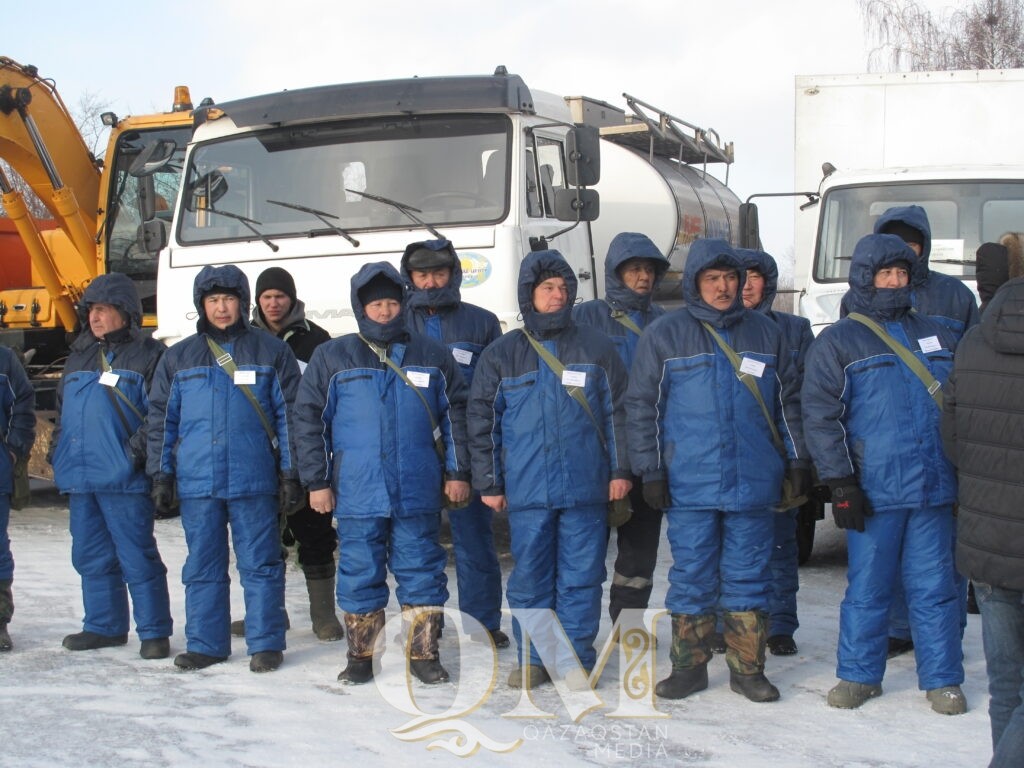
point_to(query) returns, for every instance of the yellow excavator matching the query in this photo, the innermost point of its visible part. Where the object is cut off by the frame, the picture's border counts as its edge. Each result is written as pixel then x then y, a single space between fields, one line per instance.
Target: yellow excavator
pixel 97 205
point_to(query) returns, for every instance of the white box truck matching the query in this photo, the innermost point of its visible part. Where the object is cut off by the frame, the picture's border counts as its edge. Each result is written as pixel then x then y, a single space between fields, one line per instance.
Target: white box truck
pixel 947 141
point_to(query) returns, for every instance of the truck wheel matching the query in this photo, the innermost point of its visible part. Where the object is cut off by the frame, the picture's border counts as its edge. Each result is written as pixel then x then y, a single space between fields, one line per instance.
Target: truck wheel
pixel 805 522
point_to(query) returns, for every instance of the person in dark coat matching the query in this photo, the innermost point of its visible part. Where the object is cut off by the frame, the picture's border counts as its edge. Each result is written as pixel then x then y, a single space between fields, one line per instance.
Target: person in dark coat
pixel 18 433
pixel 380 419
pixel 633 268
pixel 759 290
pixel 715 456
pixel 220 438
pixel 872 427
pixel 98 452
pixel 279 311
pixel 554 465
pixel 983 434
pixel 435 308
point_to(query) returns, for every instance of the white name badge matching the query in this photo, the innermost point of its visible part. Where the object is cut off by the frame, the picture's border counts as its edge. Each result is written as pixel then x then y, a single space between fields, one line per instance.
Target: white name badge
pixel 751 366
pixel 462 356
pixel 245 378
pixel 419 378
pixel 930 344
pixel 574 379
pixel 109 379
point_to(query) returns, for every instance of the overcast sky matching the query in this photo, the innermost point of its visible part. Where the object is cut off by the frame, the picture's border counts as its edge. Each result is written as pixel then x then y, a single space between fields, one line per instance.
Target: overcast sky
pixel 727 65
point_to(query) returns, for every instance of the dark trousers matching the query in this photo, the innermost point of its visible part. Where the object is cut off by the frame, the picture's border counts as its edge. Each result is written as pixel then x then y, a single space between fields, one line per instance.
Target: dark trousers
pixel 637 544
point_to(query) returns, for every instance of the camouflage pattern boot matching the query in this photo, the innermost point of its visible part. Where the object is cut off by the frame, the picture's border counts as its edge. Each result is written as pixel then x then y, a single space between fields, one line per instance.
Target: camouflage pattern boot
pixel 746 635
pixel 365 640
pixel 689 656
pixel 424 625
pixel 6 611
pixel 320 587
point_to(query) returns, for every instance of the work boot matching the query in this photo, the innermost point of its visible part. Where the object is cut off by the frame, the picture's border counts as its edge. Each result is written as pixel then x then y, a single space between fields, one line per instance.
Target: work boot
pixel 755 687
pixel 949 700
pixel 238 627
pixel 898 646
pixel 850 695
pixel 265 661
pixel 155 648
pixel 365 639
pixel 424 622
pixel 782 645
pixel 5 638
pixel 90 641
pixel 689 655
pixel 494 636
pixel 326 626
pixel 746 635
pixel 535 676
pixel 191 661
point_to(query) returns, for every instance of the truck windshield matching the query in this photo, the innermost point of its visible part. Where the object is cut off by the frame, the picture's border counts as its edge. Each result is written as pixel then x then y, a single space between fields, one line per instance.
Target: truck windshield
pixel 962 215
pixel 451 169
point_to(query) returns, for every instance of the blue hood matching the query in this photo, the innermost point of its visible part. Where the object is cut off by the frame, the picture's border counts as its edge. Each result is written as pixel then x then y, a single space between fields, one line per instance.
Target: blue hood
pixel 226 276
pixel 535 263
pixel 872 253
pixel 450 295
pixel 381 333
pixel 117 290
pixel 626 246
pixel 766 265
pixel 712 253
pixel 913 216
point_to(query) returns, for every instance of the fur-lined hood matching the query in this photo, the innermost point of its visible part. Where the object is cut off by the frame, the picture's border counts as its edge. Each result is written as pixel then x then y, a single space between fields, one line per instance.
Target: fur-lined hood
pixel 1014 244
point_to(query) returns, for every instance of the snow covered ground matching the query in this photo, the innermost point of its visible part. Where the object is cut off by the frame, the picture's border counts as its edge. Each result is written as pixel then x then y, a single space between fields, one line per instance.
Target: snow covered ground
pixel 111 708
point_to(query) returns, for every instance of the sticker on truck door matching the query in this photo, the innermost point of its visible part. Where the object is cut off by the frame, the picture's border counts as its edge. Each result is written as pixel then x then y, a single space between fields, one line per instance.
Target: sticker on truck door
pixel 475 269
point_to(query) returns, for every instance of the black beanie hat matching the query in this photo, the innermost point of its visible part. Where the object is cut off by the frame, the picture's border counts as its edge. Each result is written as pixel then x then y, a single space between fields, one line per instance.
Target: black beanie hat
pixel 424 259
pixel 904 231
pixel 546 274
pixel 222 289
pixel 276 279
pixel 380 287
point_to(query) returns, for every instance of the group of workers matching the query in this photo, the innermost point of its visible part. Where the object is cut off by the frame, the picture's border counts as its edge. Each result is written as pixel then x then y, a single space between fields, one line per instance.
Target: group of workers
pixel 266 424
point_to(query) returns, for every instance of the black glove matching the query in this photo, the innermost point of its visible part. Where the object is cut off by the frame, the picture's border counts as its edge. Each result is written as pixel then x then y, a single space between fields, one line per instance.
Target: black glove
pixel 164 499
pixel 799 479
pixel 290 496
pixel 849 504
pixel 656 494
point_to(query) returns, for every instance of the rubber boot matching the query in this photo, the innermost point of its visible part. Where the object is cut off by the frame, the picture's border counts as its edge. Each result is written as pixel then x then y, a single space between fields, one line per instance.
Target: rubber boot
pixel 689 655
pixel 365 640
pixel 320 586
pixel 424 624
pixel 746 635
pixel 6 612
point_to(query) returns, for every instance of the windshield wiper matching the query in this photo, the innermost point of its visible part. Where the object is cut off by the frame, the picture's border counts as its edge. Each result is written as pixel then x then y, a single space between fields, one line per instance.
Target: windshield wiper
pixel 402 208
pixel 322 215
pixel 248 223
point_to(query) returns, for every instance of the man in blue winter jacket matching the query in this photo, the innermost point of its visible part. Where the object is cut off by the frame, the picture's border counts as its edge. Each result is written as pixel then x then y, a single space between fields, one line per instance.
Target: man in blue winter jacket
pixel 871 405
pixel 18 433
pixel 714 430
pixel 548 446
pixel 633 268
pixel 759 289
pixel 98 452
pixel 219 435
pixel 435 308
pixel 380 424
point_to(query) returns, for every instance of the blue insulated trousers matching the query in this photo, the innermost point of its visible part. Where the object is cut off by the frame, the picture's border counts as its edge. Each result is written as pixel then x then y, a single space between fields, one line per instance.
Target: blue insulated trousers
pixel 719 560
pixel 257 544
pixel 785 575
pixel 410 546
pixel 112 544
pixel 559 565
pixel 925 569
pixel 476 563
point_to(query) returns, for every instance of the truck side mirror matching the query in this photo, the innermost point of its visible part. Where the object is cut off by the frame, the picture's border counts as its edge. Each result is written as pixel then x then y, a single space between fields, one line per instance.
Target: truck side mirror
pixel 206 190
pixel 576 205
pixel 152 236
pixel 750 234
pixel 153 157
pixel 583 153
